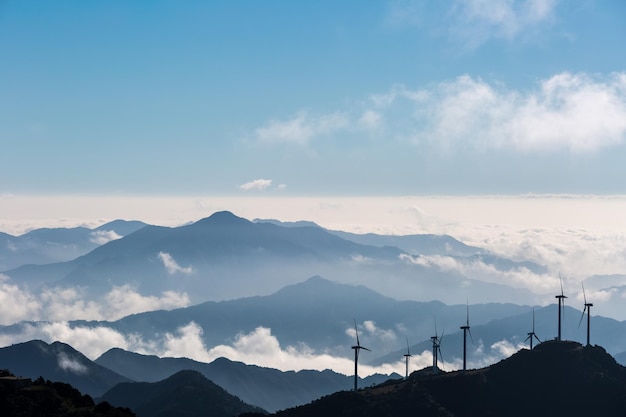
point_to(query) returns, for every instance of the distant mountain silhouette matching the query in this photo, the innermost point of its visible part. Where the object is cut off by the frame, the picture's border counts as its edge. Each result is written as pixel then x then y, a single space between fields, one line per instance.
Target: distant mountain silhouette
pixel 187 393
pixel 316 312
pixel 424 244
pixel 24 397
pixel 268 388
pixel 52 245
pixel 555 379
pixel 58 362
pixel 225 257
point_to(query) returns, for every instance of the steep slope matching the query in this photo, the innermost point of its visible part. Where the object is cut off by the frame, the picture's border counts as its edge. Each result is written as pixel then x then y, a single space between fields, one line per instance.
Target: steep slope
pixel 187 393
pixel 58 362
pixel 557 378
pixel 267 388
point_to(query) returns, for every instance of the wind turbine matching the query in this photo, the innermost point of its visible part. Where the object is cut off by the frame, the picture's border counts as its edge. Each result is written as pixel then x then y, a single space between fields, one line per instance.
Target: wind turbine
pixel 407 355
pixel 436 339
pixel 588 308
pixel 466 329
pixel 532 335
pixel 357 348
pixel 561 299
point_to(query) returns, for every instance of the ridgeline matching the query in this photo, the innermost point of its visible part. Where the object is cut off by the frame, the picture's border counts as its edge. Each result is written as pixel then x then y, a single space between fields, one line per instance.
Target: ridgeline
pixel 555 379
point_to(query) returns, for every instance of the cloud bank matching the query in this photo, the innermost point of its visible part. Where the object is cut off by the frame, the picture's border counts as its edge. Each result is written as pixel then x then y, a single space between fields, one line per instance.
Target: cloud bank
pixel 259 347
pixel 59 304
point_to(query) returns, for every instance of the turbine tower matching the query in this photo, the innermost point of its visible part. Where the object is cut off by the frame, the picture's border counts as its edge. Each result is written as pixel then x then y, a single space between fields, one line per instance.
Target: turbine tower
pixel 532 335
pixel 561 299
pixel 436 339
pixel 588 309
pixel 357 348
pixel 407 355
pixel 466 329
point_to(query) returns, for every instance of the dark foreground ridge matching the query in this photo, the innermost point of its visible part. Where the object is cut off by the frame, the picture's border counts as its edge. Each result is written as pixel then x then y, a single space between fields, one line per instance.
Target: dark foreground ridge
pixel 555 379
pixel 25 397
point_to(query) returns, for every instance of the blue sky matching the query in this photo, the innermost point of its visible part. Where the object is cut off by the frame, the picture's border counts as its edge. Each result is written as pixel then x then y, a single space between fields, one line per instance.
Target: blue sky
pixel 312 98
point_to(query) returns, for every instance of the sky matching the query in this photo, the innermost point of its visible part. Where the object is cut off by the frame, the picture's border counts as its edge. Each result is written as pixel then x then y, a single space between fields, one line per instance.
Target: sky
pixel 500 122
pixel 283 98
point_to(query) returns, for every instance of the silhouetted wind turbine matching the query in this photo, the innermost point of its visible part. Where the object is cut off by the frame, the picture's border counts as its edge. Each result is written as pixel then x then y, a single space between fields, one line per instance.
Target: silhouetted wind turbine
pixel 532 334
pixel 588 308
pixel 466 329
pixel 561 299
pixel 436 339
pixel 407 355
pixel 357 348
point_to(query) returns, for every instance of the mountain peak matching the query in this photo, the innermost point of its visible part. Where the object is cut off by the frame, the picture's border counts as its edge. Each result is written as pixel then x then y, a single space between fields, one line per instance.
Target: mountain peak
pixel 225 218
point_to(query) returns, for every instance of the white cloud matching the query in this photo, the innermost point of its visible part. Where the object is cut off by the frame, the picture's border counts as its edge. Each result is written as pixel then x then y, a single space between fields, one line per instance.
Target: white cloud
pixel 258 185
pixel 16 304
pixel 301 128
pixel 574 112
pixel 101 237
pixel 518 277
pixel 261 348
pixel 70 364
pixel 471 23
pixel 387 335
pixel 477 21
pixel 59 304
pixel 370 119
pixel 172 266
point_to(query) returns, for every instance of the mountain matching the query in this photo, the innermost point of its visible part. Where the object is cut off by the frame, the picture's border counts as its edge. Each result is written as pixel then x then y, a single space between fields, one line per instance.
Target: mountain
pixel 267 388
pixel 316 312
pixel 187 393
pixel 23 397
pixel 425 244
pixel 45 246
pixel 226 257
pixel 58 362
pixel 556 378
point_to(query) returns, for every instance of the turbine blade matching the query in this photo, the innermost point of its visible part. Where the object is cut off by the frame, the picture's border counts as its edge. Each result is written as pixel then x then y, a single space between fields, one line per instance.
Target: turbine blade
pixel 533 319
pixel 529 336
pixel 470 333
pixel 537 338
pixel 357 333
pixel 561 281
pixel 364 348
pixel 408 350
pixel 467 315
pixel 582 316
pixel 584 295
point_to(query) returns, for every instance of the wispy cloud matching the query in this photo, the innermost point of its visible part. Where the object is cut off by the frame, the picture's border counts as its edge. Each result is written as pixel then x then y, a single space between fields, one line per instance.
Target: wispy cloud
pixel 101 237
pixel 259 184
pixel 172 266
pixel 301 128
pixel 471 23
pixel 72 365
pixel 478 21
pixel 477 269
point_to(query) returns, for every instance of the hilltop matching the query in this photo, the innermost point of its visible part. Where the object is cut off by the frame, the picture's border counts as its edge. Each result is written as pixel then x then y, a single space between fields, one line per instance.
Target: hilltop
pixel 24 397
pixel 556 378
